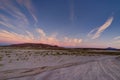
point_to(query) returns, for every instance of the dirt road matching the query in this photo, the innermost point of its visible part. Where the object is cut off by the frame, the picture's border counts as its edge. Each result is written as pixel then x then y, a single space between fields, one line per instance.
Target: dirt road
pixel 106 68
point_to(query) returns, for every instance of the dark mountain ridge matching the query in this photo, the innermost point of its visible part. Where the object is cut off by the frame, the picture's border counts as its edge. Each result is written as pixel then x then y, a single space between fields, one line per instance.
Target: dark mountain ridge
pixel 33 45
pixel 111 48
pixel 48 46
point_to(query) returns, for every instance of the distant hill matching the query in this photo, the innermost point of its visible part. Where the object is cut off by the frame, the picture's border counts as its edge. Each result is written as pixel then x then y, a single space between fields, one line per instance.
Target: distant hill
pixel 48 46
pixel 111 48
pixel 34 45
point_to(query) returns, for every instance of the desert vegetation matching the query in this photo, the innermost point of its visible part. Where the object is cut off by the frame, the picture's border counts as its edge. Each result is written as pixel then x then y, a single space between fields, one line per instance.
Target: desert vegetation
pixel 19 54
pixel 26 60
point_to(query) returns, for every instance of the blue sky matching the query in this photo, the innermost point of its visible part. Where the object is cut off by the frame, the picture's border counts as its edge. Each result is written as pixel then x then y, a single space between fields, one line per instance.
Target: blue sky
pixel 69 23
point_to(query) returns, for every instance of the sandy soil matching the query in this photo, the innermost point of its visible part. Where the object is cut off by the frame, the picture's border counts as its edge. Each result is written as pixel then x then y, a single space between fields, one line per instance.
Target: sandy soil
pixel 100 68
pixel 34 65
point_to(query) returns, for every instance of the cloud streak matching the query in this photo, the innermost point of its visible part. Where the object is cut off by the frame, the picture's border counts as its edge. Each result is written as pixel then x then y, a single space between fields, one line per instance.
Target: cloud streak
pixel 116 39
pixel 16 27
pixel 95 33
pixel 12 37
pixel 28 4
pixel 14 18
pixel 72 12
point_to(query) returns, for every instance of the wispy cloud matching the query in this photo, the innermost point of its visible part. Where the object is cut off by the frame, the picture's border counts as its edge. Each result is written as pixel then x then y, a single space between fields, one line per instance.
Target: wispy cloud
pixel 116 39
pixel 41 32
pixel 12 37
pixel 16 26
pixel 6 24
pixel 72 12
pixel 114 42
pixel 9 7
pixel 28 4
pixel 13 17
pixel 95 33
pixel 72 41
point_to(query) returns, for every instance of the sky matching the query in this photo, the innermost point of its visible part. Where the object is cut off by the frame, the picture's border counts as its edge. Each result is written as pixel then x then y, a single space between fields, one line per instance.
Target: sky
pixel 67 23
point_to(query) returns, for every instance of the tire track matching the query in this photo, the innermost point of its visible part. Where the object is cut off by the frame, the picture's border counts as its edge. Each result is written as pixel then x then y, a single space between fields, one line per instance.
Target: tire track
pixel 113 69
pixel 98 65
pixel 106 71
pixel 9 74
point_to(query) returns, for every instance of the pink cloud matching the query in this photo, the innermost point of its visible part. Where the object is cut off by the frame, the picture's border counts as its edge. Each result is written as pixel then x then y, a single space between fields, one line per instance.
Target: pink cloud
pixel 95 33
pixel 12 37
pixel 17 30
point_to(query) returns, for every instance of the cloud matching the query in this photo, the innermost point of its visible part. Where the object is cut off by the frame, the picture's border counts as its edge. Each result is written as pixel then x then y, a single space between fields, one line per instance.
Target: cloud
pixel 95 33
pixel 52 39
pixel 72 12
pixel 72 42
pixel 9 7
pixel 13 17
pixel 28 4
pixel 7 25
pixel 17 28
pixel 30 35
pixel 116 39
pixel 41 32
pixel 12 37
pixel 115 42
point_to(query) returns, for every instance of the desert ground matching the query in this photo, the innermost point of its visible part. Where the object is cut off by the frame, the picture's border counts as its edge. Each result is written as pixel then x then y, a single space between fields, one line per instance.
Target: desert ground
pixel 47 64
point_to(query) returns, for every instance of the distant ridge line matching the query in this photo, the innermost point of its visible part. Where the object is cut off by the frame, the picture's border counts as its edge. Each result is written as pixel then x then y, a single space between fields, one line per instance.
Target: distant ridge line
pixel 34 45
